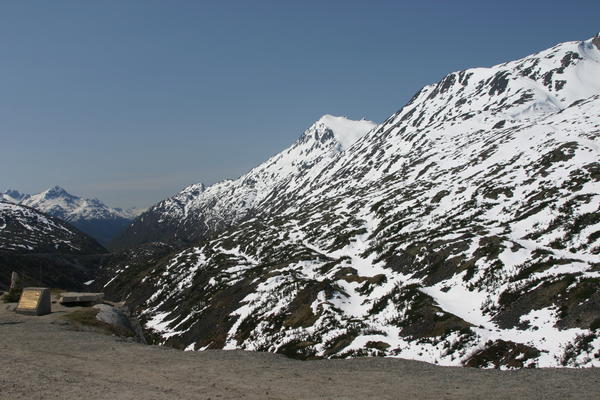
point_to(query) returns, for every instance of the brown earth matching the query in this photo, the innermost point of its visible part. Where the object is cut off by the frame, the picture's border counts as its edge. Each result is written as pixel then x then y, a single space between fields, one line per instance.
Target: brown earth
pixel 47 358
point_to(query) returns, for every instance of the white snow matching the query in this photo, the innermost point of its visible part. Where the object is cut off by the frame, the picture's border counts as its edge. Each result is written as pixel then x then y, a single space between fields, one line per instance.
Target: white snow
pixel 346 131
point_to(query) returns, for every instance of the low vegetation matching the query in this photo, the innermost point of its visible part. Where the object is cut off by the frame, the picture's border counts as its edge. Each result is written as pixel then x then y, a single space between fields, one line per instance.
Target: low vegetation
pixel 85 319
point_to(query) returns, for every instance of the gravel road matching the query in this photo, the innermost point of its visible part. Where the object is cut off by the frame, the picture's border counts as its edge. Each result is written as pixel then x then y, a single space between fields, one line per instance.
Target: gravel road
pixel 45 358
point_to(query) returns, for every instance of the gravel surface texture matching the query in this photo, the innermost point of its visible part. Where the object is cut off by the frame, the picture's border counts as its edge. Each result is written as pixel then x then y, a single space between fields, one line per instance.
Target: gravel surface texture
pixel 47 358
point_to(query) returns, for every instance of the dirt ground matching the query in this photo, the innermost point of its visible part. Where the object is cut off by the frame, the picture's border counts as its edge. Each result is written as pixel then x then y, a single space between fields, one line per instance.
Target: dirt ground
pixel 45 358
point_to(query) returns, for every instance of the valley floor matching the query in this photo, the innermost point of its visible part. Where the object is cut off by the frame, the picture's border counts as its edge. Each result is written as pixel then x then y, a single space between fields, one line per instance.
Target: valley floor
pixel 45 358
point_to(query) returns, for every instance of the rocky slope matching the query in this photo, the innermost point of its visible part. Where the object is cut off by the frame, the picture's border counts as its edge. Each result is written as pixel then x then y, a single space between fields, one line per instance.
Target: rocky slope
pixel 26 230
pixel 43 249
pixel 199 211
pixel 88 215
pixel 464 230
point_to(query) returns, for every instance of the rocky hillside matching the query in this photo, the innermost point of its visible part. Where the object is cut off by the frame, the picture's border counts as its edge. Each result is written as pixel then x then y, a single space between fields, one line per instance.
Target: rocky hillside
pixel 199 211
pixel 43 249
pixel 26 230
pixel 88 215
pixel 464 230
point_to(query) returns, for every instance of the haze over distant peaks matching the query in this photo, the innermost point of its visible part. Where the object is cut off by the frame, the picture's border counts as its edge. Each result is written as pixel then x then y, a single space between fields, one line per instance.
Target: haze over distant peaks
pixel 89 215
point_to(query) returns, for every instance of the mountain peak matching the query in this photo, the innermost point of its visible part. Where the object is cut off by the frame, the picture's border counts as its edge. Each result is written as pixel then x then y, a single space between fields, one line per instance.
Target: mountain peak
pixel 91 216
pixel 344 130
pixel 55 192
pixel 194 190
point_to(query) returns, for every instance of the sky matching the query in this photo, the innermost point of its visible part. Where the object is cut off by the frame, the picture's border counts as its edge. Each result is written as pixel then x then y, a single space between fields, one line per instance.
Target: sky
pixel 130 101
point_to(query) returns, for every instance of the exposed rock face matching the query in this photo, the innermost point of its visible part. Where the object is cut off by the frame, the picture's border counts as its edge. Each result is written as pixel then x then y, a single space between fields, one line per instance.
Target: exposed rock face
pixel 596 41
pixel 116 318
pixel 465 229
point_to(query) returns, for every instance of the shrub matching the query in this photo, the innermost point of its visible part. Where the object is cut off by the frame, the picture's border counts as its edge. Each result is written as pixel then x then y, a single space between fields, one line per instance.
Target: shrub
pixel 13 295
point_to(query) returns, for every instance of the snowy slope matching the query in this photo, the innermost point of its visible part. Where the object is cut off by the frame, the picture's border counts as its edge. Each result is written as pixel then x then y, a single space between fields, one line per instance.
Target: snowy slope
pixel 89 215
pixel 464 230
pixel 26 230
pixel 198 211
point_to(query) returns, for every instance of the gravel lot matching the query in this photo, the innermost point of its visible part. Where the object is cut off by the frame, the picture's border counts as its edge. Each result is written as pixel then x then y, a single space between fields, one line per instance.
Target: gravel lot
pixel 45 358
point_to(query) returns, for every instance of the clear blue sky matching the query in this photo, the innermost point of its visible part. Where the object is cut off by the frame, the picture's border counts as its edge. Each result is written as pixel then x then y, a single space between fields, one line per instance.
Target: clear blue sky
pixel 129 101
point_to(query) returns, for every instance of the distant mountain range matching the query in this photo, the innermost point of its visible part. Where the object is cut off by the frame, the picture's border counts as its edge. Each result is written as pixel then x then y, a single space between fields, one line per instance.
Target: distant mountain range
pixel 463 230
pixel 88 215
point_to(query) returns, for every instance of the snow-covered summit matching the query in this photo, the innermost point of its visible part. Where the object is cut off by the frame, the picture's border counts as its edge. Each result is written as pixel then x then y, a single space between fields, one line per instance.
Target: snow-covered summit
pixel 542 83
pixel 58 202
pixel 342 130
pixel 91 216
pixel 198 210
pixel 56 192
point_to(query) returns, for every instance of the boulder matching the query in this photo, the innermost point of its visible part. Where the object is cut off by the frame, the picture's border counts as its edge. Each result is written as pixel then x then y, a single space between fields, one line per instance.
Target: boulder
pixel 114 317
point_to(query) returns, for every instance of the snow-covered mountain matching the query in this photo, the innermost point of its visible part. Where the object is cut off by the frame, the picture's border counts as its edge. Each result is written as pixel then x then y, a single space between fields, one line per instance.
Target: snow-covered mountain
pixel 26 230
pixel 199 211
pixel 464 230
pixel 89 215
pixel 58 202
pixel 44 250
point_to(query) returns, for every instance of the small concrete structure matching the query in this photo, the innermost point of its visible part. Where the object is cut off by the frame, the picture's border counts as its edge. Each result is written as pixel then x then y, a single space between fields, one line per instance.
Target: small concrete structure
pixel 83 298
pixel 35 301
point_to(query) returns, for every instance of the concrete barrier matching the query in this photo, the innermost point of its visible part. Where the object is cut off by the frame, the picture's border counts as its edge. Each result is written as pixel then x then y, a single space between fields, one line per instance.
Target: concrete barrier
pixel 83 298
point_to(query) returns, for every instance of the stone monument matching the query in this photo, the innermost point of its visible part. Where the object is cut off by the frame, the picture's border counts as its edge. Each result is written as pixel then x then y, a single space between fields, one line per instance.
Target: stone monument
pixel 14 280
pixel 35 301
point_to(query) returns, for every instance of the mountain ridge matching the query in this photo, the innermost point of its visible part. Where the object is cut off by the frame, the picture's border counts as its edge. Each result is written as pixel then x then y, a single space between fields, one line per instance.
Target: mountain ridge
pixel 199 211
pixel 89 215
pixel 44 250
